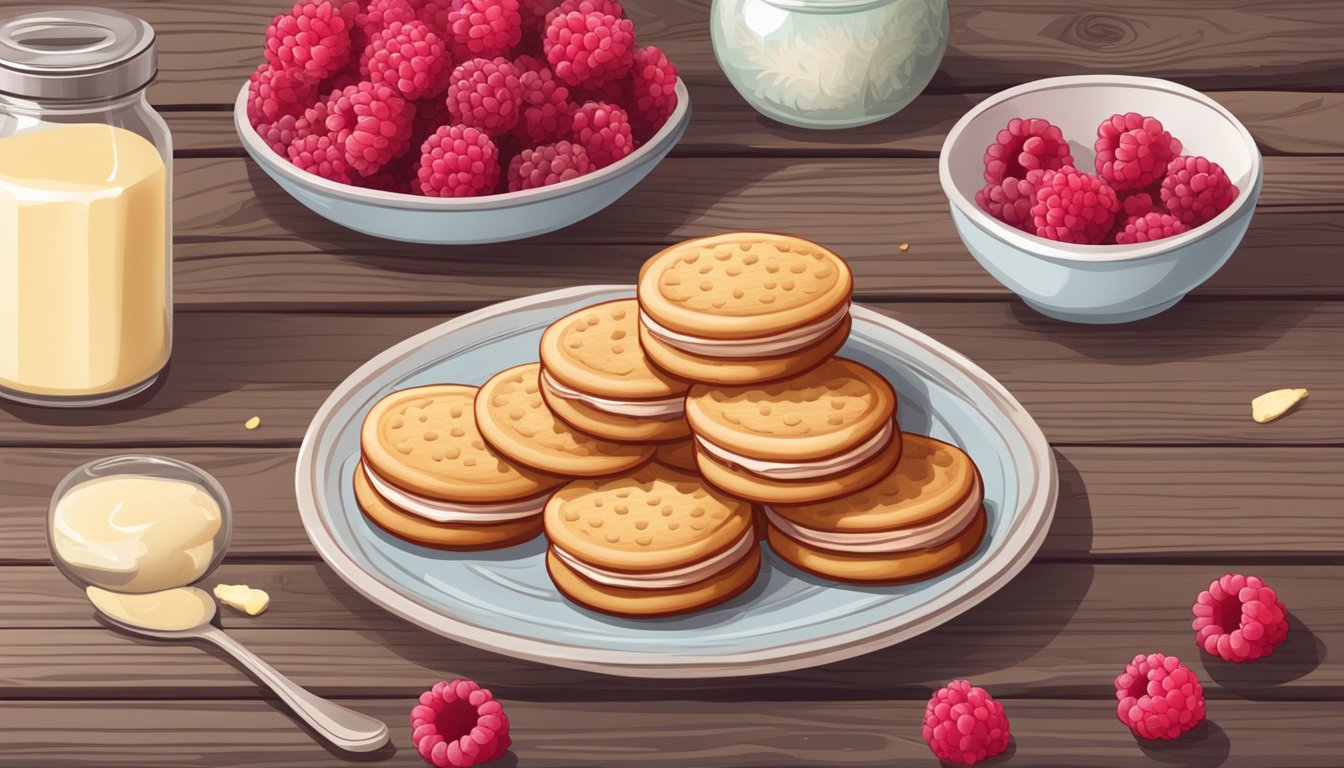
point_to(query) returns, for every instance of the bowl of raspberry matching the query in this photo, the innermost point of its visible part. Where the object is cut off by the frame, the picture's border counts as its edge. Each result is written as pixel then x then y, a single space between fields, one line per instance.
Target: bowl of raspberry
pixel 456 122
pixel 1101 199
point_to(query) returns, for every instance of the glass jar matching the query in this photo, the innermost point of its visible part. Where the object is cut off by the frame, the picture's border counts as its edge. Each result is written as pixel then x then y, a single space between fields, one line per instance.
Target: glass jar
pixel 85 204
pixel 829 63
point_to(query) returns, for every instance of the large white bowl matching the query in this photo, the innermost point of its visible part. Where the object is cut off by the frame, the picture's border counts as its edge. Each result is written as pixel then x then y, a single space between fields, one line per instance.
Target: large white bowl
pixel 1100 283
pixel 467 220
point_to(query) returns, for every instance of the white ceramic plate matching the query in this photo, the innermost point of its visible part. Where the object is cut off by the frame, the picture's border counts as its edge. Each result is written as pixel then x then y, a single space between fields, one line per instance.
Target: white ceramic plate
pixel 503 600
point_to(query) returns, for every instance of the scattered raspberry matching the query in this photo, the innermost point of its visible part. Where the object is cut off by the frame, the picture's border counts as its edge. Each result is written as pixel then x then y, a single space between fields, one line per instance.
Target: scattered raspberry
pixel 458 161
pixel 382 13
pixel 1026 145
pixel 273 93
pixel 547 114
pixel 484 28
pixel 279 134
pixel 1011 201
pixel 589 49
pixel 608 7
pixel 604 131
pixel 1239 618
pixel 459 724
pixel 1196 190
pixel 486 94
pixel 653 85
pixel 1136 204
pixel 1159 698
pixel 1074 207
pixel 320 156
pixel 547 165
pixel 312 41
pixel 963 724
pixel 407 56
pixel 372 122
pixel 1133 151
pixel 1149 227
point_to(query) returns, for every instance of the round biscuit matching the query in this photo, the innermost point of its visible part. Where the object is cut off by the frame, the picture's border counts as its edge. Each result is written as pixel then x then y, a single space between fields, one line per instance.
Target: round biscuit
pixel 894 568
pixel 741 371
pixel 608 426
pixel 823 412
pixel 596 350
pixel 743 285
pixel 652 603
pixel 428 533
pixel 745 485
pixel 515 421
pixel 654 519
pixel 425 440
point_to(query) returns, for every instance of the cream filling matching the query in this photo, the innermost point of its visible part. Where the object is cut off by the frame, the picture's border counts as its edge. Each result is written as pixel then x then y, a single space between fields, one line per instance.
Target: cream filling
pixel 663 410
pixel 449 512
pixel 784 343
pixel 918 537
pixel 805 470
pixel 678 577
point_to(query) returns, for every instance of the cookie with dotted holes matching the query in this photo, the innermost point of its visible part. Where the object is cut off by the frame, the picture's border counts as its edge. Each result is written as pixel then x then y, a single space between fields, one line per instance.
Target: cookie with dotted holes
pixel 430 533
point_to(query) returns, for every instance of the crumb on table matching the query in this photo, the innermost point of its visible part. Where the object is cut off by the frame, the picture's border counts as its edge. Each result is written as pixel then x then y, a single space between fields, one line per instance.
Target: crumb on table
pixel 252 423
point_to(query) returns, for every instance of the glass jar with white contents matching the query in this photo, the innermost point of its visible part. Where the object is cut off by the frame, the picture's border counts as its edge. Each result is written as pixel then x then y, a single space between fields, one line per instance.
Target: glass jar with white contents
pixel 829 63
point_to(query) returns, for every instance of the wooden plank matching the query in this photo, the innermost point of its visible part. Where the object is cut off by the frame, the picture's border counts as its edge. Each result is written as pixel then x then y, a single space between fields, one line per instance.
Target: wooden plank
pixel 1115 503
pixel 781 734
pixel 1056 630
pixel 1185 377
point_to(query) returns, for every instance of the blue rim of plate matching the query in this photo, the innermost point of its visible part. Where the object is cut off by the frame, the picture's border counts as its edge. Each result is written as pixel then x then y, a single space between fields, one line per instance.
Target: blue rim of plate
pixel 466 596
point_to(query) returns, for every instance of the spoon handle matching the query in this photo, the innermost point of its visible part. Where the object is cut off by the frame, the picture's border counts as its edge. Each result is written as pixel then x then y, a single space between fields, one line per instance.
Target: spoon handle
pixel 345 728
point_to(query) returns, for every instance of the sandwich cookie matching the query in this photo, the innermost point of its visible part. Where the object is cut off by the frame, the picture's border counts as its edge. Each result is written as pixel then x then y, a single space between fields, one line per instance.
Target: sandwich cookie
pixel 743 307
pixel 680 454
pixel 923 519
pixel 657 542
pixel 428 476
pixel 516 421
pixel 594 376
pixel 825 433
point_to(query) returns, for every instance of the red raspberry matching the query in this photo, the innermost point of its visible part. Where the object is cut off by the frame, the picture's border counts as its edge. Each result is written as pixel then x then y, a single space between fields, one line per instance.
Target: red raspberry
pixel 1133 151
pixel 382 13
pixel 1074 207
pixel 486 94
pixel 534 13
pixel 279 134
pixel 458 161
pixel 547 165
pixel 312 41
pixel 1239 618
pixel 484 28
pixel 1136 204
pixel 459 724
pixel 372 122
pixel 653 85
pixel 1196 190
pixel 547 114
pixel 1026 145
pixel 589 49
pixel 320 156
pixel 609 7
pixel 407 56
pixel 397 176
pixel 529 63
pixel 604 131
pixel 273 93
pixel 1011 201
pixel 1149 227
pixel 1159 698
pixel 964 724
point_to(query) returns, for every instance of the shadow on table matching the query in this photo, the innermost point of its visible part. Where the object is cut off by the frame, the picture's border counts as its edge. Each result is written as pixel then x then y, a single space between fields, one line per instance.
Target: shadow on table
pixel 380 755
pixel 1071 531
pixel 1298 657
pixel 1204 746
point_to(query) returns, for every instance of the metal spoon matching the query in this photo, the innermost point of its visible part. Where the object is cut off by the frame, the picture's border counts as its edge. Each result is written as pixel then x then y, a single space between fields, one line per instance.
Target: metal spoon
pixel 345 728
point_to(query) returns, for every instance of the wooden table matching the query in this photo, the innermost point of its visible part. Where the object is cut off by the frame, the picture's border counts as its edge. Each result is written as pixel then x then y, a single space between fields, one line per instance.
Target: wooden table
pixel 1165 481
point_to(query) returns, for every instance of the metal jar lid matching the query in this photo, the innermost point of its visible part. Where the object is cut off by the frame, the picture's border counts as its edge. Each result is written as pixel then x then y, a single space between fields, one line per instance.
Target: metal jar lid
pixel 75 53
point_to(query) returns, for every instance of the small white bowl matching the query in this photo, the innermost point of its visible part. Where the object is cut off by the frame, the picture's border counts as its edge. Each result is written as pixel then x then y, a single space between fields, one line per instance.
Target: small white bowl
pixel 1100 283
pixel 464 220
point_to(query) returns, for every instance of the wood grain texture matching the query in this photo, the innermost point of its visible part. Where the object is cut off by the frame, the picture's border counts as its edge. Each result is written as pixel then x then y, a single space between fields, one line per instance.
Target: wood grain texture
pixel 1168 504
pixel 778 734
pixel 1187 376
pixel 1055 630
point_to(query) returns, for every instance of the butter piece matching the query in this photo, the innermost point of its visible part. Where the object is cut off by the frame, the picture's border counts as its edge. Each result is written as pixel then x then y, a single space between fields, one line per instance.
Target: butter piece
pixel 243 598
pixel 1272 405
pixel 252 423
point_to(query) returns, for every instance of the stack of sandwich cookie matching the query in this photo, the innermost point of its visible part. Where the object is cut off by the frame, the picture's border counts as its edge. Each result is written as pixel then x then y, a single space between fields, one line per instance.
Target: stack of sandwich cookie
pixel 814 436
pixel 921 520
pixel 657 542
pixel 426 474
pixel 594 377
pixel 743 307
